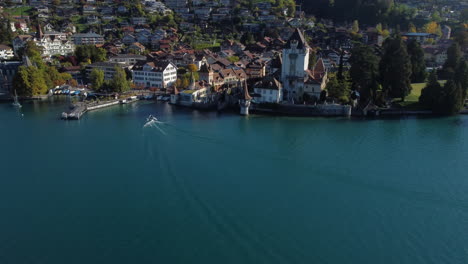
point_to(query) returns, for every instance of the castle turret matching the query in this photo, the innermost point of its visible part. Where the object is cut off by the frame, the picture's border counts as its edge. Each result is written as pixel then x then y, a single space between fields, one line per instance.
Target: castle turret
pixel 175 96
pixel 244 102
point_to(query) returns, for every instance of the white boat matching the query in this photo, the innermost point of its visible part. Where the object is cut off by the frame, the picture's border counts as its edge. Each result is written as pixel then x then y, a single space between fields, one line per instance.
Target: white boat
pixel 151 118
pixel 16 102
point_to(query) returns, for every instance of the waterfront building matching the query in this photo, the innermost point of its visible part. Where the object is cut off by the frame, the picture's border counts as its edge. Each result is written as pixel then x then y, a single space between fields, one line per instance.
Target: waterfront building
pixel 269 89
pixel 294 67
pixel 8 70
pixel 157 74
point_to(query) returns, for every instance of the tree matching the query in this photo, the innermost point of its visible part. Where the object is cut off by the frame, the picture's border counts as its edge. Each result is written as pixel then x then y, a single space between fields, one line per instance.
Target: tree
pixel 90 54
pixel 338 89
pixel 395 69
pixel 355 28
pixel 462 38
pixel 312 58
pixel 452 99
pixel 340 75
pixel 192 68
pixel 453 57
pixel 29 81
pixel 233 59
pixel 431 93
pixel 461 76
pixel 247 38
pixel 442 100
pixel 119 82
pixel 364 71
pixel 418 65
pixel 6 34
pixel 412 28
pixel 97 79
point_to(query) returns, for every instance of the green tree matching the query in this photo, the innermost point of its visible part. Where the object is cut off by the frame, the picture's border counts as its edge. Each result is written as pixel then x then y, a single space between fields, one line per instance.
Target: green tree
pixel 192 68
pixel 6 34
pixel 97 79
pixel 431 93
pixel 453 57
pixel 418 65
pixel 119 82
pixel 90 54
pixel 452 99
pixel 461 76
pixel 233 59
pixel 364 71
pixel 29 81
pixel 338 89
pixel 395 69
pixel 312 58
pixel 355 28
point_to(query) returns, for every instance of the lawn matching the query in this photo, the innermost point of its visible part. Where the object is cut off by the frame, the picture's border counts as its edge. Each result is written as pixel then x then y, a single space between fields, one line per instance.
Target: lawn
pixel 20 10
pixel 412 100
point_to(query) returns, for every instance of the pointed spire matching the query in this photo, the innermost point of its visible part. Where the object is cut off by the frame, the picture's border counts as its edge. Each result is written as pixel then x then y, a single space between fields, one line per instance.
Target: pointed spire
pixel 247 96
pixel 39 34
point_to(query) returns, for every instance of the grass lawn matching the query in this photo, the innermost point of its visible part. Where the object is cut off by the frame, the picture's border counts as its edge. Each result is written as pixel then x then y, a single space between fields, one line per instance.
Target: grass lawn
pixel 200 46
pixel 18 11
pixel 412 100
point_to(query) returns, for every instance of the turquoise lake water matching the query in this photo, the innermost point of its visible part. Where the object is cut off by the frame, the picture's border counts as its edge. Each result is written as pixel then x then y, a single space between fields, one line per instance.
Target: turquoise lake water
pixel 220 188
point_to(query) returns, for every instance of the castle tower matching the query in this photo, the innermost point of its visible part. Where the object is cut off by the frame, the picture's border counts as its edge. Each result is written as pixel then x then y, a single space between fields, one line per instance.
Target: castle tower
pixel 206 73
pixel 244 102
pixel 295 64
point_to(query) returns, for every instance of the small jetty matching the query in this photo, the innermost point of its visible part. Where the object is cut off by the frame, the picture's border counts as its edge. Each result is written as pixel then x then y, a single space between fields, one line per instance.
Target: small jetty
pixel 77 110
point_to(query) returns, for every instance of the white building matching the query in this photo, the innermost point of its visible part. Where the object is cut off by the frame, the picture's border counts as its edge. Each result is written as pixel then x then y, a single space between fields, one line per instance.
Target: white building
pixel 6 52
pixel 269 90
pixel 294 68
pixel 160 74
pixel 54 43
pixel 127 59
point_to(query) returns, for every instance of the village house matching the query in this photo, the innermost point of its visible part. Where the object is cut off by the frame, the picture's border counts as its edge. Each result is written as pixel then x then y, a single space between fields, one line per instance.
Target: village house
pixel 136 48
pixel 19 25
pixel 19 41
pixel 316 80
pixel 128 39
pixel 268 90
pixel 154 74
pixel 255 69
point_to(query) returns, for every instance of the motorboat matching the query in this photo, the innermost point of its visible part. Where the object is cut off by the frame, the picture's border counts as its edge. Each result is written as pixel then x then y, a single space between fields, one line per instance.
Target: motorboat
pixel 16 102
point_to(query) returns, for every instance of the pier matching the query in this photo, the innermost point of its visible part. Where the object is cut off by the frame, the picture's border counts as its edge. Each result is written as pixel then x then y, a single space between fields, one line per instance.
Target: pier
pixel 79 109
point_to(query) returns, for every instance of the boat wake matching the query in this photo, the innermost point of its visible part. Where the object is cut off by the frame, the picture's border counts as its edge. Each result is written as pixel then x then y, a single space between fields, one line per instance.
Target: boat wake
pixel 153 122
